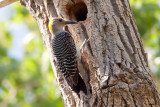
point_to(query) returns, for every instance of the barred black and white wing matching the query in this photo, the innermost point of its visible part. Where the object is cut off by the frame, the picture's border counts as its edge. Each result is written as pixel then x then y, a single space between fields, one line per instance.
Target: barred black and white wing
pixel 65 52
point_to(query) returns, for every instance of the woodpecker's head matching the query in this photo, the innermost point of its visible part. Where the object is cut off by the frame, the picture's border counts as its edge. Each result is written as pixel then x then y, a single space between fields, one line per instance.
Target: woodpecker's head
pixel 56 24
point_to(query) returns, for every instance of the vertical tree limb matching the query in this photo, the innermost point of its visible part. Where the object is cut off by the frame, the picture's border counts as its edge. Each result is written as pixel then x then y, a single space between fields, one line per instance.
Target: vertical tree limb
pixel 114 64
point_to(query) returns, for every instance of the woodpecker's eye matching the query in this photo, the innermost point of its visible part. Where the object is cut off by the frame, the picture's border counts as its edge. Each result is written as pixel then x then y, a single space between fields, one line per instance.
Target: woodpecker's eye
pixel 60 20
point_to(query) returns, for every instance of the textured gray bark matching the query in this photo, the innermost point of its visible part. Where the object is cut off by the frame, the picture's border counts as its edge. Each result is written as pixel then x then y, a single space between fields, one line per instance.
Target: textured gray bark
pixel 114 64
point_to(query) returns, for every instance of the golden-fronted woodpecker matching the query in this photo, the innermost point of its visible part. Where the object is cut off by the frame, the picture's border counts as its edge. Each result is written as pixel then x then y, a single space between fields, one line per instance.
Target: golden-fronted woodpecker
pixel 65 53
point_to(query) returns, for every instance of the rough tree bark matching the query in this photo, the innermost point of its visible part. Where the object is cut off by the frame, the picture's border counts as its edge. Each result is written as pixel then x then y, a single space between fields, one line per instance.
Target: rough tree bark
pixel 114 64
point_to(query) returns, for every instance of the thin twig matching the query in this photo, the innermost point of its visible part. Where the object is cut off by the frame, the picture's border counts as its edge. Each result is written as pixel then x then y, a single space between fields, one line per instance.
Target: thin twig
pixel 4 3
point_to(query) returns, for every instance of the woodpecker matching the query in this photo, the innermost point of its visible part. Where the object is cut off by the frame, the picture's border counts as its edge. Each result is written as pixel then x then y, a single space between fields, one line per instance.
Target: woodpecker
pixel 65 53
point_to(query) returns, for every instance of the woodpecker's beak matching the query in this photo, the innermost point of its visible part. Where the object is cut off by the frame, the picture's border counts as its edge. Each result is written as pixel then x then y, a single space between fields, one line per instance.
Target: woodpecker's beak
pixel 70 22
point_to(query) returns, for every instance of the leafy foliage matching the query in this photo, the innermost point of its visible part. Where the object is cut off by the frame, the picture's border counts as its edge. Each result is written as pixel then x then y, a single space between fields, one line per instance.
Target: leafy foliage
pixel 29 81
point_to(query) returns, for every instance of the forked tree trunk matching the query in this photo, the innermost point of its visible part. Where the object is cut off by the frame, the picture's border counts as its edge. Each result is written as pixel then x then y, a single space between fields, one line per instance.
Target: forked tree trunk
pixel 113 64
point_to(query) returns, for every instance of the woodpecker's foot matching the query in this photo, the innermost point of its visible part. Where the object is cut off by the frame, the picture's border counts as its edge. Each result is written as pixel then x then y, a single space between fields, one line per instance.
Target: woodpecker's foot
pixel 83 44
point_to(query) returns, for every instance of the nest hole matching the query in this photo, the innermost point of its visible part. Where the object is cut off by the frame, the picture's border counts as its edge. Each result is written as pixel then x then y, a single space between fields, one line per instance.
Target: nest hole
pixel 78 11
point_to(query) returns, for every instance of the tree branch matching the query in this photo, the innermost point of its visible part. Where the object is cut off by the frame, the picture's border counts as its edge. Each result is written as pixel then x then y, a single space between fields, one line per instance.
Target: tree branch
pixel 4 3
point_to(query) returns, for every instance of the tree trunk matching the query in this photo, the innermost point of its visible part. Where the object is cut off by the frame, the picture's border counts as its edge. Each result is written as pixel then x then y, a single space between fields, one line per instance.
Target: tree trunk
pixel 113 64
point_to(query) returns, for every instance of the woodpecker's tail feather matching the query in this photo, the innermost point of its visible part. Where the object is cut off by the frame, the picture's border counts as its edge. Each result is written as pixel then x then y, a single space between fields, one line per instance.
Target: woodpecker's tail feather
pixel 80 86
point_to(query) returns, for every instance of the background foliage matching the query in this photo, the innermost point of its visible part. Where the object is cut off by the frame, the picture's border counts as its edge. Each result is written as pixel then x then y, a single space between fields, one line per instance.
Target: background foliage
pixel 26 76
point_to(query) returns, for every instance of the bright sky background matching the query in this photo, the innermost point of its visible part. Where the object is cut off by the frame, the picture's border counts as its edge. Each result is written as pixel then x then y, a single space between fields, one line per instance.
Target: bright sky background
pixel 18 31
